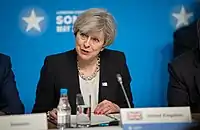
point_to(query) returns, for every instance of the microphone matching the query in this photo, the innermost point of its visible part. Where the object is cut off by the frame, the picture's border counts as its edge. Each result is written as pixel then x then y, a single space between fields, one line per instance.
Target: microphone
pixel 119 79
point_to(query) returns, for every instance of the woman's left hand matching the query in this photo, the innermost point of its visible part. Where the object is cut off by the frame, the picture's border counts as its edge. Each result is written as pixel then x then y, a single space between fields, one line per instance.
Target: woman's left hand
pixel 106 107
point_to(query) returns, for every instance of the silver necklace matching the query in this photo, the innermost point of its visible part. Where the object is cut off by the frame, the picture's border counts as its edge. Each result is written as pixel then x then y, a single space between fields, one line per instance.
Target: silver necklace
pixel 93 74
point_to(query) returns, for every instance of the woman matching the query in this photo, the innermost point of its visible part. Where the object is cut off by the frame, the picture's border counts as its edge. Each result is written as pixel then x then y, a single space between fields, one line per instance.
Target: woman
pixel 88 69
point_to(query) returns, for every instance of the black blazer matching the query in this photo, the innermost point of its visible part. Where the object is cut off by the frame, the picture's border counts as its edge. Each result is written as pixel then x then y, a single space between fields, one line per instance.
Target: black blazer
pixel 186 38
pixel 184 83
pixel 10 102
pixel 60 71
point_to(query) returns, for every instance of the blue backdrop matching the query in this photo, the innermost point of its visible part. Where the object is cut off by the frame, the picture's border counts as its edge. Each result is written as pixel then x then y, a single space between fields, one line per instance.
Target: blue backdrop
pixel 33 29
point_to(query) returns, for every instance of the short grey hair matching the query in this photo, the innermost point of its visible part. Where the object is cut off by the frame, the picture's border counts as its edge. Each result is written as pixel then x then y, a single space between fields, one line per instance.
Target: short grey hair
pixel 96 20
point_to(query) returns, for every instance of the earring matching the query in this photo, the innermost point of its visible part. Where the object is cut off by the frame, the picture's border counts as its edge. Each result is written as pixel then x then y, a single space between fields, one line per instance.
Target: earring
pixel 102 48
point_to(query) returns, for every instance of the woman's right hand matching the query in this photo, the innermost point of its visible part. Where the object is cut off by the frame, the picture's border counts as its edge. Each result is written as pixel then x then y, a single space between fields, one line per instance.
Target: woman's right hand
pixel 52 115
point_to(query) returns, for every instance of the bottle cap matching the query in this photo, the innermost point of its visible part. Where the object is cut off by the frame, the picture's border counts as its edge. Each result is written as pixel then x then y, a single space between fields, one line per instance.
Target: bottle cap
pixel 63 91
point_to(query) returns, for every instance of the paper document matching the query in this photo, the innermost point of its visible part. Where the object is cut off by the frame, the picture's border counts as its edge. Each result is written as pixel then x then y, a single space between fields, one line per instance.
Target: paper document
pixel 99 119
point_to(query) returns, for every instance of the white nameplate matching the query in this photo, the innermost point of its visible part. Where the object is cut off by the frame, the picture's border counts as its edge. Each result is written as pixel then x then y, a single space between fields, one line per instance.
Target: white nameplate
pixel 24 122
pixel 155 115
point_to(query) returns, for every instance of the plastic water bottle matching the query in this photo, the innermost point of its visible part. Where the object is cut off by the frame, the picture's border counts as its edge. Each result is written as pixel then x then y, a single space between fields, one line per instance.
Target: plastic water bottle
pixel 64 111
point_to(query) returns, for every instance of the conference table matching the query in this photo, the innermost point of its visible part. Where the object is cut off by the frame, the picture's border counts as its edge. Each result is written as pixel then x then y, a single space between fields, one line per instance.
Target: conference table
pixel 95 119
pixel 95 128
pixel 98 122
pixel 51 126
pixel 99 128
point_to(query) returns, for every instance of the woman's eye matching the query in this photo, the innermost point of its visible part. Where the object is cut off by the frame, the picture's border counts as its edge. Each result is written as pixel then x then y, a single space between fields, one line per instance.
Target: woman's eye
pixel 96 40
pixel 83 35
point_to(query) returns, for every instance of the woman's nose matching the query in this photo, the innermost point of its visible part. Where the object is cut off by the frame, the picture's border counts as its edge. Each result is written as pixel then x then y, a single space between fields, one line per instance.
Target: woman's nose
pixel 87 43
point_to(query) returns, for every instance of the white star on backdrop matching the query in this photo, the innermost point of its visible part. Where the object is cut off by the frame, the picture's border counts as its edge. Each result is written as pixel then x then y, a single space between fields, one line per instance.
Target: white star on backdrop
pixel 33 21
pixel 182 17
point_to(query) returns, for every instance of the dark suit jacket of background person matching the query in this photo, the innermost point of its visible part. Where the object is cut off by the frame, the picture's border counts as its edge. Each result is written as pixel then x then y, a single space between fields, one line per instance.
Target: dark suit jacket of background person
pixel 186 38
pixel 184 84
pixel 10 102
pixel 60 71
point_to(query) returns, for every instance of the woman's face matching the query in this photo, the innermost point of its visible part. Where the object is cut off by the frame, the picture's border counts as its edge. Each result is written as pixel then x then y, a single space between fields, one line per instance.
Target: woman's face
pixel 88 45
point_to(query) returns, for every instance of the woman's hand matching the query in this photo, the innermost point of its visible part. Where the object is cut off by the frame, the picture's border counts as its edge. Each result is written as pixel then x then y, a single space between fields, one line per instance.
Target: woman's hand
pixel 52 115
pixel 106 107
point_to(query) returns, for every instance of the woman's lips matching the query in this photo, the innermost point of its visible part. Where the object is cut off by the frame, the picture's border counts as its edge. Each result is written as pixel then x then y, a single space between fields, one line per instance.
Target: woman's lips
pixel 85 52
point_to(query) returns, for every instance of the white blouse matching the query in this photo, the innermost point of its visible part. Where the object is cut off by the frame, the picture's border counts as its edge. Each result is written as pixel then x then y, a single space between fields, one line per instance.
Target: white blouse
pixel 90 87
